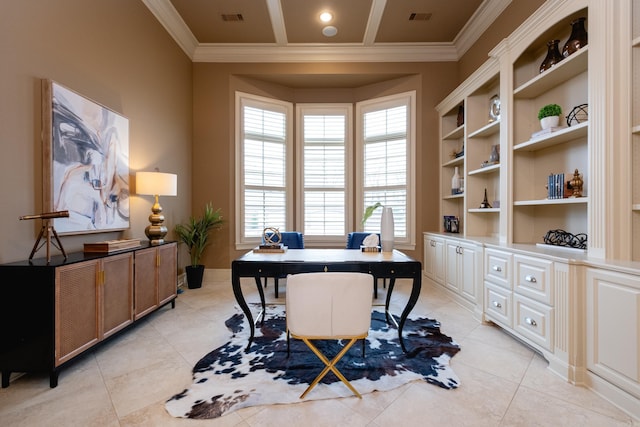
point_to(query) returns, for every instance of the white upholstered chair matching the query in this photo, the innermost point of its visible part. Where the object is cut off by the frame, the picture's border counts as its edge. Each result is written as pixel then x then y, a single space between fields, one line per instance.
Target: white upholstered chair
pixel 329 306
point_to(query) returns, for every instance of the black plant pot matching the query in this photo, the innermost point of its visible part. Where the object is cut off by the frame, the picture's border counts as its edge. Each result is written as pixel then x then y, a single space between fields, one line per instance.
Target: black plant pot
pixel 195 274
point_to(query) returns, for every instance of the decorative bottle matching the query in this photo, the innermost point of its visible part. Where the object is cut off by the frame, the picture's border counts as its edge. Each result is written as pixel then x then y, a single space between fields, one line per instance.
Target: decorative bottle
pixel 455 182
pixel 387 229
pixel 577 39
pixel 553 56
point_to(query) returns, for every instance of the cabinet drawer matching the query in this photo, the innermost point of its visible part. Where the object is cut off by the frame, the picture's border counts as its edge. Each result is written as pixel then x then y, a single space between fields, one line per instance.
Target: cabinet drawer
pixel 533 321
pixel 533 278
pixel 497 304
pixel 497 267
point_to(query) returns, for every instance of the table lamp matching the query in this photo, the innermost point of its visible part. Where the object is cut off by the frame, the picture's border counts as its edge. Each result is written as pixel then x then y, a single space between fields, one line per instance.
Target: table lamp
pixel 156 184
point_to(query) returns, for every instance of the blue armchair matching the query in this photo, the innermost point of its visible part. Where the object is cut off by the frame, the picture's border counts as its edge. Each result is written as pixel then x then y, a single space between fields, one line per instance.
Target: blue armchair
pixel 354 239
pixel 292 240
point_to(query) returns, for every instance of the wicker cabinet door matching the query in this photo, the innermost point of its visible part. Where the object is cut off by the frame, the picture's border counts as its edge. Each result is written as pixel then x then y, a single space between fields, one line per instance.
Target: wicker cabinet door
pixel 77 309
pixel 167 272
pixel 117 293
pixel 145 282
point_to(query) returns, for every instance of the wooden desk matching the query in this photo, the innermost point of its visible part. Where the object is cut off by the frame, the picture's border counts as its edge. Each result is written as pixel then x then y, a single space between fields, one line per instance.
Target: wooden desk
pixel 388 265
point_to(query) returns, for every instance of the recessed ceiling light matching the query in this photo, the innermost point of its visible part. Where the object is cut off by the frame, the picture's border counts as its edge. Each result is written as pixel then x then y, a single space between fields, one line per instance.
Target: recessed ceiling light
pixel 326 17
pixel 329 31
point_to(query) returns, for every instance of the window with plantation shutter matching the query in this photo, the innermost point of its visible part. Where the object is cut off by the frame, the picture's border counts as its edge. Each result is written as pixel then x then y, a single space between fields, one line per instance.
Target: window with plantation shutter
pixel 386 148
pixel 323 142
pixel 339 170
pixel 264 172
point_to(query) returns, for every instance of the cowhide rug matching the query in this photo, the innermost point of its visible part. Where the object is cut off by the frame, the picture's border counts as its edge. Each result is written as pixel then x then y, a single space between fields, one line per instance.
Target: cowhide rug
pixel 228 379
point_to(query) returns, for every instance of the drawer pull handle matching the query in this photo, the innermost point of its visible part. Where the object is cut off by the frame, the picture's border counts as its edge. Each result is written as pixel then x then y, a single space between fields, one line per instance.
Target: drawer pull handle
pixel 497 268
pixel 530 321
pixel 433 243
pixel 497 304
pixel 529 278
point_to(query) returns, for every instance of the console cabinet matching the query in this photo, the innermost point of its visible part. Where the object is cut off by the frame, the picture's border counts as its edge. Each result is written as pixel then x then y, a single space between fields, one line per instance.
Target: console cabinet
pixel 52 312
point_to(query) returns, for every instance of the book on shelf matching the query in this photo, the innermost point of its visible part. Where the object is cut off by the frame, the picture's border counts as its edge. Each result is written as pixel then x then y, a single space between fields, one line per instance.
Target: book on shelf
pixel 547 131
pixel 556 186
pixel 107 246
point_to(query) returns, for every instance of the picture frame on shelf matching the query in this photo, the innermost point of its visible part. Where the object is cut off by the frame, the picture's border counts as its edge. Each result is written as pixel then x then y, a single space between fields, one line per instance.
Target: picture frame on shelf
pixel 85 148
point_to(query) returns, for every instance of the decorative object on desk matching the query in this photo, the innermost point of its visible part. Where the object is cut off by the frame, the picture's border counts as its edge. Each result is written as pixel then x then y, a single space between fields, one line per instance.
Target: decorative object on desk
pixel 371 243
pixel 579 114
pixel 85 162
pixel 494 109
pixel 577 39
pixel 195 235
pixel 156 184
pixel 387 229
pixel 108 246
pixel 564 238
pixel 455 182
pixel 228 378
pixel 553 56
pixel 576 184
pixel 549 116
pixel 271 237
pixel 460 118
pixel 485 202
pixel 48 229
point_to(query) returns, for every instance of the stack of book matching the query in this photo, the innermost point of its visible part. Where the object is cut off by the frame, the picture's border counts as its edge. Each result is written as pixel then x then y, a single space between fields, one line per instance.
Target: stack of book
pixel 108 246
pixel 556 186
pixel 547 131
pixel 370 248
pixel 271 249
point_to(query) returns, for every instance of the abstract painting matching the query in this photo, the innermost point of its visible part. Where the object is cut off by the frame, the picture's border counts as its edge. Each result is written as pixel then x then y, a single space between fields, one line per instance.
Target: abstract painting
pixel 86 162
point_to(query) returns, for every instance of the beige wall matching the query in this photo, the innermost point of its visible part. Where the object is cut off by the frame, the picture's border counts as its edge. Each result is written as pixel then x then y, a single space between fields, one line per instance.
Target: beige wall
pixel 214 89
pixel 114 52
pixel 510 19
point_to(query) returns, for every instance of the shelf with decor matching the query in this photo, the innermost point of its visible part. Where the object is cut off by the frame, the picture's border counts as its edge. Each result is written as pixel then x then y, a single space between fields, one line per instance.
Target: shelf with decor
pixel 562 150
pixel 483 159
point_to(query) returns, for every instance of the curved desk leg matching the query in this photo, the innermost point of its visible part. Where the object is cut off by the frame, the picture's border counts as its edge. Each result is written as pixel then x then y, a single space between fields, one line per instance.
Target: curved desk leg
pixel 264 310
pixel 237 292
pixel 413 298
pixel 392 282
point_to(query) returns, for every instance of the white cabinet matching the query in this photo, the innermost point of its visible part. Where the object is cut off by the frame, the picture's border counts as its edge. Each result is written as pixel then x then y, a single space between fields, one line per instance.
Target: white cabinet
pixel 434 257
pixel 613 327
pixel 463 270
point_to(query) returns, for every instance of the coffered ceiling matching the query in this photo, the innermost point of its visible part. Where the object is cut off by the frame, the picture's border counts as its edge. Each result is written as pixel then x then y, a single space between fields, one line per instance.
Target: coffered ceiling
pixel 291 31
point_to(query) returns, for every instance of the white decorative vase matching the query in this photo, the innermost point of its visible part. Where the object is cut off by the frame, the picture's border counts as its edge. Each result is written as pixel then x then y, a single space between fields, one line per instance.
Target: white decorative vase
pixel 387 230
pixel 549 122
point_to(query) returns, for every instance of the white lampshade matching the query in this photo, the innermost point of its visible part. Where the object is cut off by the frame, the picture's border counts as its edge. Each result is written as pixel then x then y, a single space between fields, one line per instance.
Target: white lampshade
pixel 157 183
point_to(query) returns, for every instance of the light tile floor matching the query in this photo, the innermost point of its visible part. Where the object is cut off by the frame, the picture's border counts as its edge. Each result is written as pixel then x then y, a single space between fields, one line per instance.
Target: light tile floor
pixel 126 381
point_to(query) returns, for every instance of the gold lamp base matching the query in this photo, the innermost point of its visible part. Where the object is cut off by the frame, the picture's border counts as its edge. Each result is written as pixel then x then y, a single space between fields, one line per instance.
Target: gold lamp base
pixel 156 230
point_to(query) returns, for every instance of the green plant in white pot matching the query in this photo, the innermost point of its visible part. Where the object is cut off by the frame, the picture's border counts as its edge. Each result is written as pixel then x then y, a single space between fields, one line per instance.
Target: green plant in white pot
pixel 549 116
pixel 195 235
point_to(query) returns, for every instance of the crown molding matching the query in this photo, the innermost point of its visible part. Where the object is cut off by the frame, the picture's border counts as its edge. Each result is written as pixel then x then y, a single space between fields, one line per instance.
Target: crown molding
pixel 367 51
pixel 479 22
pixel 322 53
pixel 171 20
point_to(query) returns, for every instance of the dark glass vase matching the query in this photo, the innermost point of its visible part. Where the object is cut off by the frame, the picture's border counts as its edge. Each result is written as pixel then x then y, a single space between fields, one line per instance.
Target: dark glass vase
pixel 553 56
pixel 577 39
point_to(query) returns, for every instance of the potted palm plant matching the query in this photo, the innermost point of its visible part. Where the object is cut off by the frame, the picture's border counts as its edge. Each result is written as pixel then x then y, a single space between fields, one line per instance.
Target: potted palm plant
pixel 195 235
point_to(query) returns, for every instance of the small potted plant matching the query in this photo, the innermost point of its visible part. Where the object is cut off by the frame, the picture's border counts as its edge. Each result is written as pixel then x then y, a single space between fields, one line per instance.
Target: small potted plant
pixel 549 116
pixel 195 235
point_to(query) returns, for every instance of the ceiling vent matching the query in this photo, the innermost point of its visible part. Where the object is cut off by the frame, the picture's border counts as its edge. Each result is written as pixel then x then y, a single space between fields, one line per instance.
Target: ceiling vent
pixel 420 16
pixel 232 17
